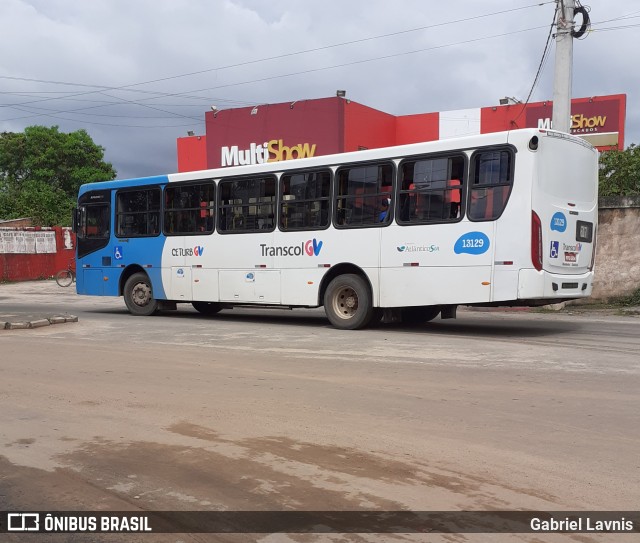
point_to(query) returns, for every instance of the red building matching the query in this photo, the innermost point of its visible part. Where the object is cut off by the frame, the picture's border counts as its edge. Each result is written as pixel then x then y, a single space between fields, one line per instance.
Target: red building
pixel 272 132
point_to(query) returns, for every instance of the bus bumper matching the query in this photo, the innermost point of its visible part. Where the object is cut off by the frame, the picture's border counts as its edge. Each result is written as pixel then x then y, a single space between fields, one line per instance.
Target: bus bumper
pixel 534 284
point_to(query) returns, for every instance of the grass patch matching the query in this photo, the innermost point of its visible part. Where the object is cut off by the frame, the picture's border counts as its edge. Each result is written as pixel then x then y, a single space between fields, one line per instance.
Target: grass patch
pixel 631 300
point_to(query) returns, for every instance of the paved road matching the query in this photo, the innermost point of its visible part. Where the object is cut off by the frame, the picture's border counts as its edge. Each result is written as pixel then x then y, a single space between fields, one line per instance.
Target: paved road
pixel 275 409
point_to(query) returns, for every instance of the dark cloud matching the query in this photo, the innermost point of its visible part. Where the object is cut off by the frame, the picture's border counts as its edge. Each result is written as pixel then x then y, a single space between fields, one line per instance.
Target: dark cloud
pixel 99 47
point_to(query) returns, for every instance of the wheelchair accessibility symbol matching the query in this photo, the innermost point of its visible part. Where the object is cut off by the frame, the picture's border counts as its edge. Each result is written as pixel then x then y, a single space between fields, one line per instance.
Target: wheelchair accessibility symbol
pixel 117 252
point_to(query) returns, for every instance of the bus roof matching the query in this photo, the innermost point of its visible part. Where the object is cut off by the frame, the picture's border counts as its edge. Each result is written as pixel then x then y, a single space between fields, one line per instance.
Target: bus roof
pixel 461 143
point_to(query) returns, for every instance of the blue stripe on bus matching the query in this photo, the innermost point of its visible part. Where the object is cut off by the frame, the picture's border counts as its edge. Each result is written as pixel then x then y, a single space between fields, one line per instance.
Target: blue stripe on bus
pixel 123 252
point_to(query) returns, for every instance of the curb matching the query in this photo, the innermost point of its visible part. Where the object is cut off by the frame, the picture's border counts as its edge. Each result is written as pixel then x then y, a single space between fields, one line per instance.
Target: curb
pixel 36 323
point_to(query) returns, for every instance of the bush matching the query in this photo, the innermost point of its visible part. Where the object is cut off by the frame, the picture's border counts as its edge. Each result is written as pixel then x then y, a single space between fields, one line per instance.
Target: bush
pixel 620 172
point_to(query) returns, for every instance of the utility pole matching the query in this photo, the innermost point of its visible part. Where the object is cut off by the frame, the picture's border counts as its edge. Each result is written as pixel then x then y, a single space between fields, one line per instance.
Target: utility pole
pixel 561 118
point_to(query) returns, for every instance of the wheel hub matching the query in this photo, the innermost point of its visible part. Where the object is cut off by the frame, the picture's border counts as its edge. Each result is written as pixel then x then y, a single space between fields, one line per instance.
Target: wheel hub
pixel 141 294
pixel 347 303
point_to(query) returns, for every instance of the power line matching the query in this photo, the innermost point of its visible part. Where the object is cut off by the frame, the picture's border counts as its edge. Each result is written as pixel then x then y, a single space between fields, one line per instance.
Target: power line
pixel 36 110
pixel 364 61
pixel 56 116
pixel 547 49
pixel 543 61
pixel 275 57
pixel 185 95
pixel 625 27
pixel 313 70
pixel 208 100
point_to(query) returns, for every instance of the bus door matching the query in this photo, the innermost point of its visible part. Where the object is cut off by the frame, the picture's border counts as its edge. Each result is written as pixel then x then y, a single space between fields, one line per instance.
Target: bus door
pixel 204 275
pixel 94 264
pixel 246 226
pixel 493 206
pixel 189 225
pixel 248 275
pixel 176 270
pixel 178 273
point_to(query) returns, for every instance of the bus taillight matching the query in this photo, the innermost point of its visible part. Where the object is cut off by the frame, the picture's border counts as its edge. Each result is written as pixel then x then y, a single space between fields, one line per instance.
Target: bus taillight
pixel 536 241
pixel 593 250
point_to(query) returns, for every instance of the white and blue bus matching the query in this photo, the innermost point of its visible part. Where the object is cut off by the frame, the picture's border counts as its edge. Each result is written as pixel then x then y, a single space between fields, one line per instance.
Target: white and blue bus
pixel 499 219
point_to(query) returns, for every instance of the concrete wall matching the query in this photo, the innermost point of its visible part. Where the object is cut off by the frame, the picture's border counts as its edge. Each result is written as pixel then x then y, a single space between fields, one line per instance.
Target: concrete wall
pixel 618 250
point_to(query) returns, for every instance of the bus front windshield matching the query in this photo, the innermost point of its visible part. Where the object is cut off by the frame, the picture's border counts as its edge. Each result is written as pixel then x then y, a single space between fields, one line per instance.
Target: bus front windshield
pixel 94 221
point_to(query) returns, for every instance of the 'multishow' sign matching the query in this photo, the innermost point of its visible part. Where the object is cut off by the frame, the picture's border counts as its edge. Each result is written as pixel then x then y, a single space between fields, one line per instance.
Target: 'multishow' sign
pixel 586 117
pixel 270 151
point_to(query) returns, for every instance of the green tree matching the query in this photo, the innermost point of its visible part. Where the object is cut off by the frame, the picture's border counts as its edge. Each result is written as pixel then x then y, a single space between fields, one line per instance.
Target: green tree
pixel 42 169
pixel 620 172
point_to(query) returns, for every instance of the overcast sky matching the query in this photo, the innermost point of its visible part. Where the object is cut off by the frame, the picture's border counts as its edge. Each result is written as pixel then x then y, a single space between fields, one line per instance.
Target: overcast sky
pixel 137 74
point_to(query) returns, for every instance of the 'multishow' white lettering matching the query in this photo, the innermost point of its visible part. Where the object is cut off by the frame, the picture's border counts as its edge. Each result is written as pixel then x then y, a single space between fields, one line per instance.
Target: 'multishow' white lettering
pixel 256 154
pixel 270 151
pixel 579 123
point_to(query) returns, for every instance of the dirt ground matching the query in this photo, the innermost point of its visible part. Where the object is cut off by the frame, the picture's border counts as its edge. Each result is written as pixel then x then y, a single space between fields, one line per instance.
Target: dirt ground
pixel 259 412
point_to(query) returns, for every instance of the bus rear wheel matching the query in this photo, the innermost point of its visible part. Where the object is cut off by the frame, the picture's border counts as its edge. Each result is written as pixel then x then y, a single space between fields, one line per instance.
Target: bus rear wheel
pixel 419 314
pixel 138 295
pixel 207 308
pixel 347 302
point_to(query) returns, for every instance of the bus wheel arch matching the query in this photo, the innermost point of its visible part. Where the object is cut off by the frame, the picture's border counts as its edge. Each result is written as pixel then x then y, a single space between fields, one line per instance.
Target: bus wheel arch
pixel 126 273
pixel 347 297
pixel 138 294
pixel 335 271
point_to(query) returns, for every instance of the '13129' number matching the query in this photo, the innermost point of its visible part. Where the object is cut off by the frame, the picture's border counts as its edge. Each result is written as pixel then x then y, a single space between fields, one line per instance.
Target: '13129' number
pixel 472 243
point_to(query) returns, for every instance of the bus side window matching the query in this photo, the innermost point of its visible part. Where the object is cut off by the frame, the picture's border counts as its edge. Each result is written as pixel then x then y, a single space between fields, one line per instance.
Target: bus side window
pixel 384 203
pixel 359 193
pixel 247 204
pixel 189 209
pixel 492 181
pixel 138 212
pixel 488 203
pixel 453 198
pixel 304 200
pixel 431 190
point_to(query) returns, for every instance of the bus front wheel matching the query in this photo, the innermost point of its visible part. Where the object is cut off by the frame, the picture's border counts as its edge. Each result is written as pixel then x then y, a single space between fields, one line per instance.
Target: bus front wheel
pixel 347 302
pixel 138 295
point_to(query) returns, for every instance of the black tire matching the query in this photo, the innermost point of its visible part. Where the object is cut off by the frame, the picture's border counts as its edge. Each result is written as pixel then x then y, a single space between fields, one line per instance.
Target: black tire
pixel 420 314
pixel 64 278
pixel 138 295
pixel 347 302
pixel 207 308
